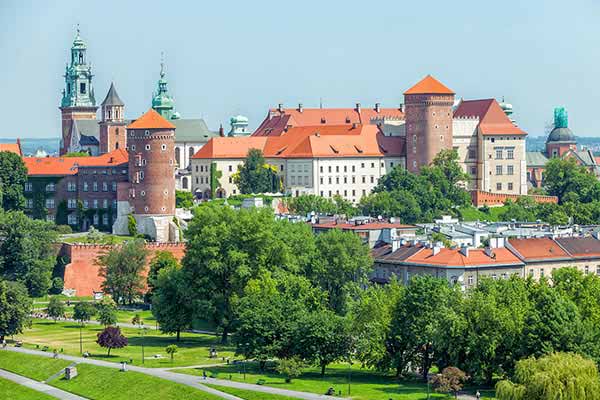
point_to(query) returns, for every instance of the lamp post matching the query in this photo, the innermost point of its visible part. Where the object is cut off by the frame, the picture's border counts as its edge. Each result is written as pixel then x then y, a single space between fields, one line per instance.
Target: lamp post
pixel 349 376
pixel 80 338
pixel 142 326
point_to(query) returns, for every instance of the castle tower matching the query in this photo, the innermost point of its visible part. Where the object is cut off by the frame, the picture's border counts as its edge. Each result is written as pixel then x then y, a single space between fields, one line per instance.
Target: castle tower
pixel 428 111
pixel 162 102
pixel 78 100
pixel 561 139
pixel 112 125
pixel 151 148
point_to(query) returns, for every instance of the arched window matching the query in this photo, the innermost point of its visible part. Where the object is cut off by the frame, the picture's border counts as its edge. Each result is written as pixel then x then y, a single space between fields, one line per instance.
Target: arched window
pixel 184 183
pixel 191 152
pixel 177 155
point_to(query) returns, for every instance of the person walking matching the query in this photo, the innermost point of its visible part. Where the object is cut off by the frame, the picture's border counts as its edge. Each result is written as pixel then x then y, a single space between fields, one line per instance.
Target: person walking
pixel 478 395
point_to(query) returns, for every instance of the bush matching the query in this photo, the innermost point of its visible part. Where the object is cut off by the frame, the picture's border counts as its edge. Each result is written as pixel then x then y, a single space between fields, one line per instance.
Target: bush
pixel 131 225
pixel 290 368
pixel 57 286
pixel 63 229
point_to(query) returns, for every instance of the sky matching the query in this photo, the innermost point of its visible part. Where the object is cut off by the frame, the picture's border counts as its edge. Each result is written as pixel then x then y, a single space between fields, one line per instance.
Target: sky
pixel 225 58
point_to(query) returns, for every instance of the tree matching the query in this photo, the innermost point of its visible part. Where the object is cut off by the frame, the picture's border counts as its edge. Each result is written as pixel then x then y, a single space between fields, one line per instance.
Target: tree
pixel 343 263
pixel 111 338
pixel 307 203
pixel 171 350
pixel 343 206
pixel 83 311
pixel 161 260
pixel 562 376
pixel 397 203
pixel 451 380
pixel 27 252
pixel 170 301
pixel 322 337
pixel 225 249
pixel 121 268
pixel 290 367
pixel 13 175
pixel 570 182
pixel 184 199
pixel 56 308
pixel 255 175
pixel 15 307
pixel 524 209
pixel 107 311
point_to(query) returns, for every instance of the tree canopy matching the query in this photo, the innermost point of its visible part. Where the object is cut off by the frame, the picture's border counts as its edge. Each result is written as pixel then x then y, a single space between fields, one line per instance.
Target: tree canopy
pixel 15 307
pixel 121 269
pixel 13 175
pixel 256 176
pixel 170 302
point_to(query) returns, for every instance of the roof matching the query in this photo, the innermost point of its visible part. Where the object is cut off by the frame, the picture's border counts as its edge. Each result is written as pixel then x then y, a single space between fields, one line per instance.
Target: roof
pixel 151 120
pixel 454 258
pixel 429 85
pixel 564 135
pixel 308 142
pixel 278 121
pixel 383 252
pixel 492 119
pixel 192 130
pixel 59 166
pixel 86 140
pixel 580 247
pixel 11 147
pixel 535 159
pixel 361 227
pixel 112 97
pixel 532 249
pixel 88 127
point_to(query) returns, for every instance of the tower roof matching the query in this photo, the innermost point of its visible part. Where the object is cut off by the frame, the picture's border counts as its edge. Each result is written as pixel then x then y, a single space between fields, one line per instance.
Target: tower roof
pixel 429 85
pixel 151 120
pixel 112 97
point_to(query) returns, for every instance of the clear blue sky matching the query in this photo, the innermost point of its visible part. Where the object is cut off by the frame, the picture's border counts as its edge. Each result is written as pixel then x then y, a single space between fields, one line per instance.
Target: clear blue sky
pixel 226 57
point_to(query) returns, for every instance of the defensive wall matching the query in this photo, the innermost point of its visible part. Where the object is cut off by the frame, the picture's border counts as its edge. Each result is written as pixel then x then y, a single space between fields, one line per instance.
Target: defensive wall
pixel 481 198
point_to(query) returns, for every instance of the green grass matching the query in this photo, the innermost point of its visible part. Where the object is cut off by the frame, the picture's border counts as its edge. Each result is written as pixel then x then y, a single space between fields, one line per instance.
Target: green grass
pixel 105 239
pixel 365 384
pixel 103 383
pixel 193 348
pixel 34 367
pixel 46 298
pixel 475 214
pixel 14 391
pixel 249 394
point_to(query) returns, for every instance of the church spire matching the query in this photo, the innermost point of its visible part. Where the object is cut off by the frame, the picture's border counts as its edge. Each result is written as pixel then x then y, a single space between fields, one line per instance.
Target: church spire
pixel 162 102
pixel 78 91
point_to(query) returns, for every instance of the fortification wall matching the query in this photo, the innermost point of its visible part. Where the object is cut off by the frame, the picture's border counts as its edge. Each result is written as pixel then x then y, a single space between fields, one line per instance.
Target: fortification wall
pixel 480 198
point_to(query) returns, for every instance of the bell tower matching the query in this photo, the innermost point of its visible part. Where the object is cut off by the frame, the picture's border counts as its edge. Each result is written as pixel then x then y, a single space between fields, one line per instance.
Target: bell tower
pixel 112 125
pixel 78 100
pixel 162 102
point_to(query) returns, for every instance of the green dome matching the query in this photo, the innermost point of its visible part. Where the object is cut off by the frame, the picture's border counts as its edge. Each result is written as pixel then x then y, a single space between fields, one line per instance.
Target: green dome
pixel 238 119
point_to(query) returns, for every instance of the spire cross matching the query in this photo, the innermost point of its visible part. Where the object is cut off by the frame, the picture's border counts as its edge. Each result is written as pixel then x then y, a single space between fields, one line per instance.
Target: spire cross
pixel 162 64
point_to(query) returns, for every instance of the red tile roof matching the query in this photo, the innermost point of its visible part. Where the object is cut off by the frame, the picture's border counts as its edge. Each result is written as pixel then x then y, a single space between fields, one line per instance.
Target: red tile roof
pixel 538 249
pixel 429 85
pixel 308 142
pixel 277 121
pixel 454 258
pixel 492 119
pixel 11 147
pixel 59 166
pixel 151 120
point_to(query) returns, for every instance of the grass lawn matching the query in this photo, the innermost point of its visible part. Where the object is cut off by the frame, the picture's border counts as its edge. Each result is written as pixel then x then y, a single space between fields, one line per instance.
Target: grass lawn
pixel 193 348
pixel 102 383
pixel 249 394
pixel 14 391
pixel 34 367
pixel 475 214
pixel 105 239
pixel 365 384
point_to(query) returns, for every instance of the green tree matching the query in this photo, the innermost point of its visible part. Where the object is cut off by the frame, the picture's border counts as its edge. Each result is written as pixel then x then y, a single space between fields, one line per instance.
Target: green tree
pixel 255 175
pixel 343 206
pixel 396 203
pixel 13 175
pixel 83 311
pixel 562 376
pixel 161 259
pixel 107 311
pixel 56 308
pixel 290 367
pixel 171 350
pixel 342 265
pixel 170 301
pixel 570 182
pixel 184 199
pixel 524 209
pixel 121 269
pixel 26 251
pixel 15 307
pixel 307 203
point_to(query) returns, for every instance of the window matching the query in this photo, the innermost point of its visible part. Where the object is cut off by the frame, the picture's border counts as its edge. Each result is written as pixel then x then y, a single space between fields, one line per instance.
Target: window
pixel 510 186
pixel 321 180
pixel 530 272
pixel 95 203
pixel 114 186
pixel 71 186
pixel 49 203
pixel 473 170
pixel 72 219
pixel 337 180
pixel 28 186
pixel 498 186
pixel 29 203
pixel 104 186
pixel 494 277
pixel 372 179
pixel 329 168
pixel 321 168
pixel 141 175
pixel 353 192
pixel 364 179
pixel 337 168
pixel 147 132
pixel 472 155
pixel 114 204
pixel 147 147
pixel 541 272
pixel 82 88
pixel 72 203
pixel 293 180
pixel 587 270
pixel 353 179
pixel 498 169
pixel 598 270
pixel 231 180
pixel 345 168
pixel 230 168
pixel 498 154
pixel 133 147
pixel 345 179
pixel 330 180
pixel 470 280
pixel 105 219
pixel 510 154
pixel 50 187
pixel 372 165
pixel 85 186
pixel 510 170
pixel 163 147
pixel 85 204
pixel 95 186
pixel 96 219
pixel 105 203
pixel 50 218
pixel 362 165
pixel 353 168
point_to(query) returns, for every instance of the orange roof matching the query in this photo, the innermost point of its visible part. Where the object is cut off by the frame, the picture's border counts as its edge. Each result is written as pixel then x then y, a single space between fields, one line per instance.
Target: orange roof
pixel 454 258
pixel 11 147
pixel 308 142
pixel 429 85
pixel 277 121
pixel 151 120
pixel 538 249
pixel 492 119
pixel 53 166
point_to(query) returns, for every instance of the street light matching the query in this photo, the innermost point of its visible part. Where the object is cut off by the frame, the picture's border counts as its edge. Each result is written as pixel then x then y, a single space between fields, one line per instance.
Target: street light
pixel 349 376
pixel 142 326
pixel 80 339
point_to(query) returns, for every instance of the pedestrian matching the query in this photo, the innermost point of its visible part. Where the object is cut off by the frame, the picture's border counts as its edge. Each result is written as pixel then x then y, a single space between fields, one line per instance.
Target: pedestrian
pixel 478 395
pixel 204 374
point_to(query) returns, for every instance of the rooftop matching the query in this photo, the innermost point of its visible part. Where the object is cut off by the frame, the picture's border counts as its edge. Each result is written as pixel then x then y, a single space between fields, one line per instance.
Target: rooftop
pixel 60 166
pixel 538 249
pixel 151 120
pixel 429 85
pixel 492 119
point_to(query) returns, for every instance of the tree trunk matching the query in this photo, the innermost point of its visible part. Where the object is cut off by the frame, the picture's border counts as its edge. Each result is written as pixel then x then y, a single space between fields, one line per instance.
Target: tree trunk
pixel 323 369
pixel 109 351
pixel 262 364
pixel 224 335
pixel 178 334
pixel 398 371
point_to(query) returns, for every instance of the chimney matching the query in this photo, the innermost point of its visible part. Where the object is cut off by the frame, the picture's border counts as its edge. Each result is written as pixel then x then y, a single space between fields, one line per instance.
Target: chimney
pixel 464 250
pixel 489 252
pixel 280 107
pixel 436 250
pixel 402 107
pixel 221 131
pixel 357 107
pixel 354 125
pixel 300 107
pixel 497 242
pixel 377 107
pixel 395 245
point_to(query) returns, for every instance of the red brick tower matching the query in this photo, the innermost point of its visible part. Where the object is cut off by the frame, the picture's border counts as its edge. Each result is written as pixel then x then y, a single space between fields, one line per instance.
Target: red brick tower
pixel 428 110
pixel 112 125
pixel 151 145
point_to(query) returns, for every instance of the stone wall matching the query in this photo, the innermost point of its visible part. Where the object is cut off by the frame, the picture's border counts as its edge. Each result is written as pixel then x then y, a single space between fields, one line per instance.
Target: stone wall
pixel 481 198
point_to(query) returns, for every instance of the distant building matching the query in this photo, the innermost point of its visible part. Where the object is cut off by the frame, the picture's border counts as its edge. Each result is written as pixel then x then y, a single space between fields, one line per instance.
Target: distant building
pixel 239 126
pixel 12 147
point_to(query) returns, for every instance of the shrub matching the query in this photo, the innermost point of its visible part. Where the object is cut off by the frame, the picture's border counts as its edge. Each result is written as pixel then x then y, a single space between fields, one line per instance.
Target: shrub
pixel 57 286
pixel 131 225
pixel 63 229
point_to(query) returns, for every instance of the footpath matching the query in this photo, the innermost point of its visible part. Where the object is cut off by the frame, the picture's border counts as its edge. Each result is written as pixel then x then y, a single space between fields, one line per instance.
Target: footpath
pixel 39 386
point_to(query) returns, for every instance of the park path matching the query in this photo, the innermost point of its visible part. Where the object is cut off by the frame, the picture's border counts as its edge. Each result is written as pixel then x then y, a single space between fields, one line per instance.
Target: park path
pixel 189 380
pixel 39 386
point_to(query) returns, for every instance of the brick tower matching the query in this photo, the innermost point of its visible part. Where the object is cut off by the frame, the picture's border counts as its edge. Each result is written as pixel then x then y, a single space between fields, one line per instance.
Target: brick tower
pixel 428 110
pixel 112 125
pixel 151 195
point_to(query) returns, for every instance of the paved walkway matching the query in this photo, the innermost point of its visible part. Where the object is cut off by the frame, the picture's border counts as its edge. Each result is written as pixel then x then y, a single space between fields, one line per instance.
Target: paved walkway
pixel 39 386
pixel 189 380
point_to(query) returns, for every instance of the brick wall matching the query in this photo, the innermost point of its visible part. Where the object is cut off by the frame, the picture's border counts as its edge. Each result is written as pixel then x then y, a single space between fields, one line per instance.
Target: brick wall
pixel 480 198
pixel 81 273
